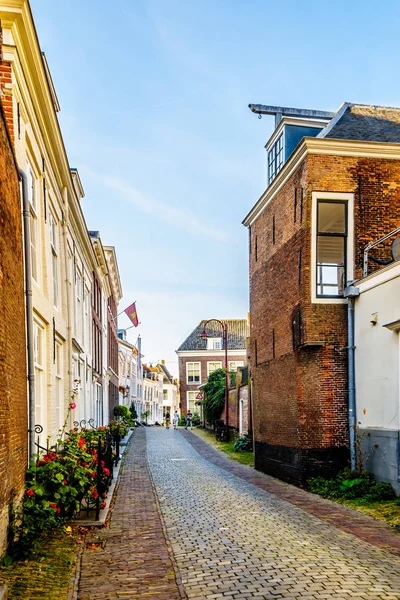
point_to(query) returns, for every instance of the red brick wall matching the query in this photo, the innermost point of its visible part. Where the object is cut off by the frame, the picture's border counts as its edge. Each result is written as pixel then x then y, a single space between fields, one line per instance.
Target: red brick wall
pixel 5 91
pixel 184 387
pixel 300 397
pixel 13 383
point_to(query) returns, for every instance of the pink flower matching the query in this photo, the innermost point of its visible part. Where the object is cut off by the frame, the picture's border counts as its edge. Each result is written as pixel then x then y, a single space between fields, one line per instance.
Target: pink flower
pixel 103 504
pixel 65 482
pixel 106 472
pixel 72 405
pixel 52 505
pixel 29 492
pixel 81 442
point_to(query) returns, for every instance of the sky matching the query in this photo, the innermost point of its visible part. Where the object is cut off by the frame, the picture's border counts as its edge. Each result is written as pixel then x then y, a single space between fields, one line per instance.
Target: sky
pixel 154 101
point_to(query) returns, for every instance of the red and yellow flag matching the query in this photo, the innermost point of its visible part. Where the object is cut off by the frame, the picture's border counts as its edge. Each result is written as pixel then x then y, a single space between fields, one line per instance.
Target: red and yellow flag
pixel 132 314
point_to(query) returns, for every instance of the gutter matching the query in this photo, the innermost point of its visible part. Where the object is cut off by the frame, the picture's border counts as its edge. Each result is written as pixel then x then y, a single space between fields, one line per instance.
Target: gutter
pixel 29 314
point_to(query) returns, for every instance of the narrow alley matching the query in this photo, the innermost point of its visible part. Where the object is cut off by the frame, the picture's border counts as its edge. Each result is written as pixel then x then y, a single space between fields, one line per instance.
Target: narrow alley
pixel 221 536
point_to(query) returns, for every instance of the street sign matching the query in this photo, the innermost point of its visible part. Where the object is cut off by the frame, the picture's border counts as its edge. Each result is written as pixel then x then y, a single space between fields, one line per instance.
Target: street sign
pixel 200 396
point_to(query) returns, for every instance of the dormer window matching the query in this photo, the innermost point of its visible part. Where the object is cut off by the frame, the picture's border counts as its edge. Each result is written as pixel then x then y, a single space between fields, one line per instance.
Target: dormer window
pixel 214 343
pixel 275 158
pixel 291 126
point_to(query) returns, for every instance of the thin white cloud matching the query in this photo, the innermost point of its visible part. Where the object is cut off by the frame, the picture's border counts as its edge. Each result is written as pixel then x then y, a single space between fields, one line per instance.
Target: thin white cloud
pixel 169 214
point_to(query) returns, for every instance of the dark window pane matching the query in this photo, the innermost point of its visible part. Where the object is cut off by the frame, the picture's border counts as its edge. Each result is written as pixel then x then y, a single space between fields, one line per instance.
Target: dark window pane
pixel 330 250
pixel 331 217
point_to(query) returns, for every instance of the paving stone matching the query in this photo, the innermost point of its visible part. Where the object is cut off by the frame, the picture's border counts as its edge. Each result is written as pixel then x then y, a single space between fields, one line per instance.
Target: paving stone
pixel 251 543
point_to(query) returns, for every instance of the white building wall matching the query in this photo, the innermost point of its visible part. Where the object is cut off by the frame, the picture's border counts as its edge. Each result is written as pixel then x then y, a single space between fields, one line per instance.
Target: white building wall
pixel 377 365
pixel 377 350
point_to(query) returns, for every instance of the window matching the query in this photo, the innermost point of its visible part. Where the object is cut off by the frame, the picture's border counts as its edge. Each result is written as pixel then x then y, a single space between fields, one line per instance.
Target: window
pixel 39 361
pixel 275 158
pixel 165 394
pixel 86 324
pixel 54 256
pixel 31 187
pixel 193 372
pixel 59 386
pixel 213 366
pixel 31 182
pixel 331 247
pixel 34 241
pixel 78 309
pixel 234 364
pixel 191 401
pixel 214 343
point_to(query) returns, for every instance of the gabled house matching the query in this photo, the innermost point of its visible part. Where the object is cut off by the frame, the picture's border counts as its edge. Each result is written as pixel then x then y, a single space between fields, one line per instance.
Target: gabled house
pixel 170 398
pixel 198 357
pixel 333 188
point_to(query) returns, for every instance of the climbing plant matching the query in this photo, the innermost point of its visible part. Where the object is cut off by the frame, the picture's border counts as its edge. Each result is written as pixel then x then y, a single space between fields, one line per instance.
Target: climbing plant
pixel 214 396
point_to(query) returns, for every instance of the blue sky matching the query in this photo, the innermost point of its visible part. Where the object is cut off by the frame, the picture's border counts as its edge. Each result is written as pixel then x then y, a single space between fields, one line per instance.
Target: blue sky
pixel 154 97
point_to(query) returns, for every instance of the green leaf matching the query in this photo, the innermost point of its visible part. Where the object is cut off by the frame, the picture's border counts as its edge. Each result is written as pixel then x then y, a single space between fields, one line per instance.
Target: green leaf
pixel 7 561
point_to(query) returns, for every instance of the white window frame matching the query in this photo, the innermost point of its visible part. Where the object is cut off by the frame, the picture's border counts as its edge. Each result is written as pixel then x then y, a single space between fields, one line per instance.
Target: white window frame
pixel 331 196
pixel 54 257
pixel 191 405
pixel 79 307
pixel 59 384
pixel 187 373
pixel 34 221
pixel 237 363
pixel 214 343
pixel 39 360
pixel 213 362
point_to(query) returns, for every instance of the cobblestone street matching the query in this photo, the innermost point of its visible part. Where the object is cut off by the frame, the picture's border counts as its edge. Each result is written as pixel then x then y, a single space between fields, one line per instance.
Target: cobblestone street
pixel 234 540
pixel 225 537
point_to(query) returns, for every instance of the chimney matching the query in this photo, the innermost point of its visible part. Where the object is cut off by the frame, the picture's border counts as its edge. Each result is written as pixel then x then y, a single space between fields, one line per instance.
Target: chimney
pixel 163 363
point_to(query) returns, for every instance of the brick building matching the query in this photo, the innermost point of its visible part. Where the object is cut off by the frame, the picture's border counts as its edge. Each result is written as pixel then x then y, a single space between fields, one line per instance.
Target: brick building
pixel 333 187
pixel 13 375
pixel 198 357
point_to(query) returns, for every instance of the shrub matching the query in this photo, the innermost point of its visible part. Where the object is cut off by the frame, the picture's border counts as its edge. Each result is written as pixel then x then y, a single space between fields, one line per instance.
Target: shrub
pixel 349 485
pixel 244 443
pixel 133 412
pixel 124 413
pixel 56 483
pixel 196 419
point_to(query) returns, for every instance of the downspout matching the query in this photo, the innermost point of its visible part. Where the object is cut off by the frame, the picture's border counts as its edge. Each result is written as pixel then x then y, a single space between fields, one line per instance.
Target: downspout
pixel 68 299
pixel 351 292
pixel 26 214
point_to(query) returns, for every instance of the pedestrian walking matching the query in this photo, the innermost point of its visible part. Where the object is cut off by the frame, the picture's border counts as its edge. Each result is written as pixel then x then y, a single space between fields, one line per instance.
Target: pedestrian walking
pixel 167 420
pixel 189 420
pixel 176 419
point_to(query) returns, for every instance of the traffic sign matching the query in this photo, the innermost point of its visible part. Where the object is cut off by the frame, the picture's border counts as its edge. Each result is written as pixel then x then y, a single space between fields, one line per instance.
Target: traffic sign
pixel 200 396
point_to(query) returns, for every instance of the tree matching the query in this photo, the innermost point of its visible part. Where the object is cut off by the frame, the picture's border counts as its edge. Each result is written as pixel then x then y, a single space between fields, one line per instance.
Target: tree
pixel 214 396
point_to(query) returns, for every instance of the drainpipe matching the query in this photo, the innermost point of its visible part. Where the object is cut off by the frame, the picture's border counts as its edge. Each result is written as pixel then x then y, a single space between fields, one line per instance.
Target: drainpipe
pixel 351 292
pixel 68 297
pixel 26 215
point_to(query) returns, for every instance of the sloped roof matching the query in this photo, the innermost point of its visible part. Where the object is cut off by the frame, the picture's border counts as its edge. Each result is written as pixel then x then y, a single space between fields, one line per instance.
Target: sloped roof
pixel 364 122
pixel 238 330
pixel 166 372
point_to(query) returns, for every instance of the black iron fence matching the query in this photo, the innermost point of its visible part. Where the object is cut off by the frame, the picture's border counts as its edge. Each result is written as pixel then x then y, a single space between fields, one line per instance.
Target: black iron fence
pixel 105 450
